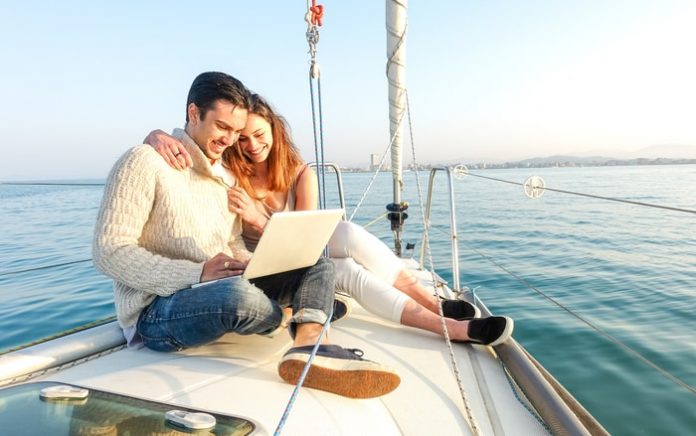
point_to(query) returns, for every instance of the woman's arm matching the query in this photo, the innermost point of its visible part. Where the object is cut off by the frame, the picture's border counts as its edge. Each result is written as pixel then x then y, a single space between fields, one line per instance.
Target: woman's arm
pixel 170 148
pixel 306 190
pixel 306 195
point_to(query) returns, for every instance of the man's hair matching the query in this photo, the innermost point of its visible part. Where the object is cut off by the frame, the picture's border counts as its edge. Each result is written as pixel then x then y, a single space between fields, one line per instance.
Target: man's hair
pixel 209 87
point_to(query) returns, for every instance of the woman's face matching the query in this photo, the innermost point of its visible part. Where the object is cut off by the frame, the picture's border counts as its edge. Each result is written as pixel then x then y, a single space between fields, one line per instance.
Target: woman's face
pixel 256 138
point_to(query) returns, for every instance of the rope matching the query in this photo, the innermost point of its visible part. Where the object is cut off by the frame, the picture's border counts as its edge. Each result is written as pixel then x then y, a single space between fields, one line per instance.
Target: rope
pixel 317 12
pixel 426 240
pixel 375 220
pixel 20 271
pixel 303 375
pixel 608 336
pixel 619 200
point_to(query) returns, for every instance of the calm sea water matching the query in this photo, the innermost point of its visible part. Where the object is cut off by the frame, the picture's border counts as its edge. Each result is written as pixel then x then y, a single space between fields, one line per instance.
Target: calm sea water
pixel 629 271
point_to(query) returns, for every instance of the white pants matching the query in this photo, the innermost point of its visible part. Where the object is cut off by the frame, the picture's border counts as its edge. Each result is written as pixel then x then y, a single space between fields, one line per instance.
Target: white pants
pixel 367 269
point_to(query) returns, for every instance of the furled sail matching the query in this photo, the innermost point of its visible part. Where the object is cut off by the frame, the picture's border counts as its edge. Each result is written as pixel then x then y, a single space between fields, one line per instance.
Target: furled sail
pixel 397 23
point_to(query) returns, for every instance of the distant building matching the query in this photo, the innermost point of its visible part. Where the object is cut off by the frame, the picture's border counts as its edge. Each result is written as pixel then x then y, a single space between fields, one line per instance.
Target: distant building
pixel 374 162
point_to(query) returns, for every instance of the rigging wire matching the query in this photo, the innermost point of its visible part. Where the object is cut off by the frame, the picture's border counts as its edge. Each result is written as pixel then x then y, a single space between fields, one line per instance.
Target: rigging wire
pixel 607 335
pixel 379 168
pixel 599 197
pixel 314 19
pixel 599 330
pixel 318 139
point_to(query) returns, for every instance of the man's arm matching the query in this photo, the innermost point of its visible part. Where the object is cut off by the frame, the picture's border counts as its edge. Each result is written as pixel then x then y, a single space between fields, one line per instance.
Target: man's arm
pixel 129 195
pixel 236 244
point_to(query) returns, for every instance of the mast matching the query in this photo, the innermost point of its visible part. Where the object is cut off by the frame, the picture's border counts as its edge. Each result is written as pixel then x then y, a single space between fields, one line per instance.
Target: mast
pixel 397 23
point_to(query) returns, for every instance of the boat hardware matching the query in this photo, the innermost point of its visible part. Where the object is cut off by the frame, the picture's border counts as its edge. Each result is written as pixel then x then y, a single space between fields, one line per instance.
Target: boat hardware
pixel 191 420
pixel 64 392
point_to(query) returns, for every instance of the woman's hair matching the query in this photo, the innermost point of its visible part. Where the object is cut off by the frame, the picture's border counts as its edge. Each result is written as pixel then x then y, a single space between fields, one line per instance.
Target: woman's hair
pixel 283 159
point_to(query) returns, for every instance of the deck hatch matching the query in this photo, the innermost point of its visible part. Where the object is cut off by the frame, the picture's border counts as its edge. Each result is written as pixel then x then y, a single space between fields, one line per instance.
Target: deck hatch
pixel 23 410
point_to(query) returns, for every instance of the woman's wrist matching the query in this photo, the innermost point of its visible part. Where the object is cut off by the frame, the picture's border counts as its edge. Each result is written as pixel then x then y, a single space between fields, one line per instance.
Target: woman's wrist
pixel 261 222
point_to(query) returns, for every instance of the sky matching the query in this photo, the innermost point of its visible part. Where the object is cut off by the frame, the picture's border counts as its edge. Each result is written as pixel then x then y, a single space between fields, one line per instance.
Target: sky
pixel 83 81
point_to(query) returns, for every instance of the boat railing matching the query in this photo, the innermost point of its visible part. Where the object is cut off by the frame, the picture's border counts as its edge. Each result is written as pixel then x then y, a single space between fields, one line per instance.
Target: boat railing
pixel 26 363
pixel 453 223
pixel 339 181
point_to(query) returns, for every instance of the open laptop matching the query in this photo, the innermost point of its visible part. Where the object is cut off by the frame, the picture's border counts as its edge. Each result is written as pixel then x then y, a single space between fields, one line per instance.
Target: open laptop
pixel 290 240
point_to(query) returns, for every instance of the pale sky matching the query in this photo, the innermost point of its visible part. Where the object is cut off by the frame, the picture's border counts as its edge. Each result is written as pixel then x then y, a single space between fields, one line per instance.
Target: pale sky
pixel 82 81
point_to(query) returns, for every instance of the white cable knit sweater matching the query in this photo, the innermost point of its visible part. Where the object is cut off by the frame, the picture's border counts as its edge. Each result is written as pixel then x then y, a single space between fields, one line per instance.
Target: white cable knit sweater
pixel 157 226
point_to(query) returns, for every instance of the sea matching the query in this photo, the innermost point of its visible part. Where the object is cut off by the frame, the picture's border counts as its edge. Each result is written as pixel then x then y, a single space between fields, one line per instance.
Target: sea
pixel 603 292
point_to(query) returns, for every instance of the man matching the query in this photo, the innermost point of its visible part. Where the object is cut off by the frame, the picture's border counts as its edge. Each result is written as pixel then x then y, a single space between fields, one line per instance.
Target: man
pixel 160 231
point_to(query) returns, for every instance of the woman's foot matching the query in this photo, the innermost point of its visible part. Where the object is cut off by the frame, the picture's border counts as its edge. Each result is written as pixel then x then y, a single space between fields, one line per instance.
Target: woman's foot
pixel 460 310
pixel 493 330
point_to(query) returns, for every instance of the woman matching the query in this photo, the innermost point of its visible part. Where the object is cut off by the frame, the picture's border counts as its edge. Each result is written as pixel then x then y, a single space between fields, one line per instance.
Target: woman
pixel 271 176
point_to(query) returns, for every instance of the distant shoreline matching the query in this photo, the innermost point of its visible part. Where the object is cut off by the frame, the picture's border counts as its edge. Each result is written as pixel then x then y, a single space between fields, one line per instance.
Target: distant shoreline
pixel 542 163
pixel 424 167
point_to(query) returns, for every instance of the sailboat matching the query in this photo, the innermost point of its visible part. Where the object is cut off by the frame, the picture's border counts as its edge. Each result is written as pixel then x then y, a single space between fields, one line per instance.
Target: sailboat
pixel 89 383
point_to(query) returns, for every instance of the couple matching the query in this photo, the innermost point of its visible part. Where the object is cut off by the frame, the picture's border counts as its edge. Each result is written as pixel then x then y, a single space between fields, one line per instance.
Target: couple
pixel 161 230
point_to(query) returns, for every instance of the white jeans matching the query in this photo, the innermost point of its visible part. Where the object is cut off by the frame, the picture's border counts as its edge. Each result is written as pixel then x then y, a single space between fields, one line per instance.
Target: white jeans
pixel 367 269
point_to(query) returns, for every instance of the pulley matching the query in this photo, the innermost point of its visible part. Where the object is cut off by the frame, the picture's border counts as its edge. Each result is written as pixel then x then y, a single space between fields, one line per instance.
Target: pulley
pixel 460 171
pixel 534 187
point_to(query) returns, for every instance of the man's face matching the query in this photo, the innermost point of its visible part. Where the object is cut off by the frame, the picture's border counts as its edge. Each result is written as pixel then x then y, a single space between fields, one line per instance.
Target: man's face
pixel 218 129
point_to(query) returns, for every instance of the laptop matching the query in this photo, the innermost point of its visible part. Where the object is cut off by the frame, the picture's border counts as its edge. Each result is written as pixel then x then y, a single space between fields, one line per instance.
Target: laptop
pixel 290 240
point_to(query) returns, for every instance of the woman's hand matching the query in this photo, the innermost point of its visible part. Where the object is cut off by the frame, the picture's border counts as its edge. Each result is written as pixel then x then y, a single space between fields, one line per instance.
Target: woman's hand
pixel 170 148
pixel 239 202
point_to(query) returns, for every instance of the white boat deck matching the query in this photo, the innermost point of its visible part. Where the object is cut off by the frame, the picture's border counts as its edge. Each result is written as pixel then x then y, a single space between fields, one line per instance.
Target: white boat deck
pixel 237 375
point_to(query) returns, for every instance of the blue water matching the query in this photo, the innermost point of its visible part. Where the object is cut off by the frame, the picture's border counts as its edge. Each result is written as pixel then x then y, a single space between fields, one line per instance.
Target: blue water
pixel 627 270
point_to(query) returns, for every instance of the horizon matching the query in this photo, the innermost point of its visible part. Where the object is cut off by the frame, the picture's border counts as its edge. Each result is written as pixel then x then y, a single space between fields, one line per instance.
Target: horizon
pixel 477 166
pixel 487 82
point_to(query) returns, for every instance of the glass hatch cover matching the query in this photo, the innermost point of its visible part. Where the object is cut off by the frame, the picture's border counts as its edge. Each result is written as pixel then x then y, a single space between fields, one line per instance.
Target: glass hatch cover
pixel 36 409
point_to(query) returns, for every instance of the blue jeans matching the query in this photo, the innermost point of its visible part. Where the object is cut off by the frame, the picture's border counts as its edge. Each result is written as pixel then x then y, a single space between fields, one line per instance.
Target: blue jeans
pixel 192 317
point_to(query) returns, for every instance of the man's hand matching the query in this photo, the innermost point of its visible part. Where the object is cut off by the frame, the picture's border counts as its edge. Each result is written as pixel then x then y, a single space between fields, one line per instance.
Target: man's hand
pixel 221 266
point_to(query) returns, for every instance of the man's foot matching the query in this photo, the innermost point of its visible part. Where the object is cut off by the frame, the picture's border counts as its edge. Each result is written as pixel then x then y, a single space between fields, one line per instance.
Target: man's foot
pixel 340 371
pixel 493 330
pixel 460 310
pixel 342 306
